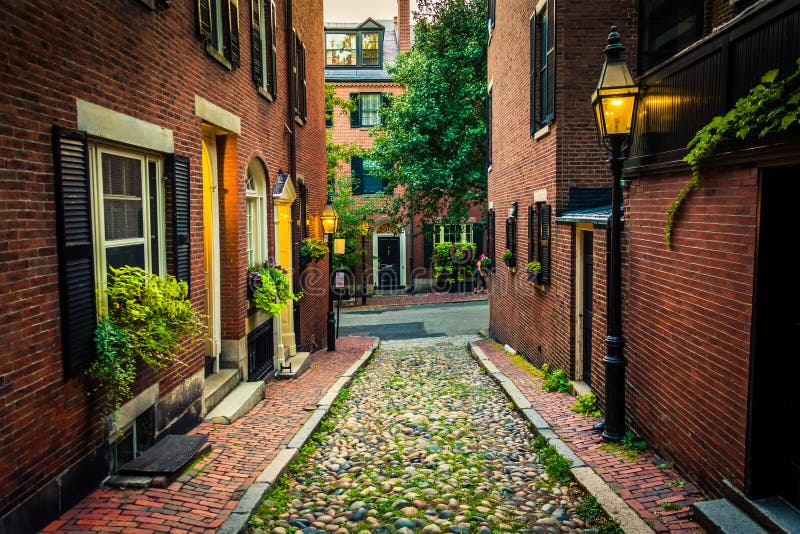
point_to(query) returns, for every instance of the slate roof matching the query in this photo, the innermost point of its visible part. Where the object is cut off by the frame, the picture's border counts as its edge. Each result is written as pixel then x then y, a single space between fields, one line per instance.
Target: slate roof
pixel 366 74
pixel 598 216
pixel 587 205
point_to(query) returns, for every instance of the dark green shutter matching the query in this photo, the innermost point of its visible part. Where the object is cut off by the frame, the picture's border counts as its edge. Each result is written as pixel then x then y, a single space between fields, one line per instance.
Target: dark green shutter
pixel 204 19
pixel 357 171
pixel 256 45
pixel 75 250
pixel 427 244
pixel 531 234
pixel 533 75
pixel 273 82
pixel 551 60
pixel 544 242
pixel 355 113
pixel 233 37
pixel 180 175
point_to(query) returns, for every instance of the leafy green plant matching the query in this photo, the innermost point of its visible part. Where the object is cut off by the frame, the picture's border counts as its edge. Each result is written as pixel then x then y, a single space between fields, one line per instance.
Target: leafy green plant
pixel 630 446
pixel 454 261
pixel 676 483
pixel 146 318
pixel 534 266
pixel 669 506
pixel 556 381
pixel 586 405
pixel 633 441
pixel 555 465
pixel 590 510
pixel 507 257
pixel 546 369
pixel 272 288
pixel 313 248
pixel 769 107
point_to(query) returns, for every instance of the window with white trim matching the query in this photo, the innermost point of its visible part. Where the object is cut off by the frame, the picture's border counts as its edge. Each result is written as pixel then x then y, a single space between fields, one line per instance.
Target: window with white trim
pixel 128 218
pixel 256 213
pixel 452 233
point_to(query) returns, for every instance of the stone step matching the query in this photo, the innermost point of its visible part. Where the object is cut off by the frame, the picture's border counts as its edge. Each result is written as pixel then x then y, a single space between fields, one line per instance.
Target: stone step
pixel 218 386
pixel 238 403
pixel 721 516
pixel 299 363
pixel 773 513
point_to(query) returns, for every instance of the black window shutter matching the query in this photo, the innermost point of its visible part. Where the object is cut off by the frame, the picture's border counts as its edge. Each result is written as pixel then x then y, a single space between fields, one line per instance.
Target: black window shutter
pixel 477 238
pixel 533 75
pixel 551 60
pixel 385 103
pixel 531 234
pixel 355 113
pixel 233 18
pixel 256 45
pixel 544 242
pixel 180 175
pixel 427 244
pixel 328 116
pixel 491 238
pixel 303 86
pixel 357 170
pixel 204 19
pixel 75 252
pixel 489 129
pixel 273 60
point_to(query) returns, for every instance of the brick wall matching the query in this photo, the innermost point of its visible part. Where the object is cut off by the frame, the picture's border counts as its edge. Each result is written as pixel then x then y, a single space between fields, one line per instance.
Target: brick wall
pixel 687 316
pixel 149 65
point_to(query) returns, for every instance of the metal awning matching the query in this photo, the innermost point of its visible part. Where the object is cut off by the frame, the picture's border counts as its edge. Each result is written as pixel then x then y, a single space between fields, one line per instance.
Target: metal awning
pixel 598 216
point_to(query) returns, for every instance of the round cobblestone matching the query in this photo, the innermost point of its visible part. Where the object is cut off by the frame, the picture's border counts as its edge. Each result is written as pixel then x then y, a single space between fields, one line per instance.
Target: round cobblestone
pixel 426 442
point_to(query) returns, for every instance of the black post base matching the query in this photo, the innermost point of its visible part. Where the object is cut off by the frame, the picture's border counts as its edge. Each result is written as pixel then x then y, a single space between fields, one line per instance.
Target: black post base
pixel 331 331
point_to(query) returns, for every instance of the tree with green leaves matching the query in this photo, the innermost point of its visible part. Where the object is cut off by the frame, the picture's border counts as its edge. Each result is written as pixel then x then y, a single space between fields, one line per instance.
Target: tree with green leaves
pixel 432 144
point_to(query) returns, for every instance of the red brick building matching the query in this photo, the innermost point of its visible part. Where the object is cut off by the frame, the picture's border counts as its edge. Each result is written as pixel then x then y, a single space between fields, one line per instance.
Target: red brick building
pixel 357 56
pixel 549 185
pixel 209 115
pixel 706 320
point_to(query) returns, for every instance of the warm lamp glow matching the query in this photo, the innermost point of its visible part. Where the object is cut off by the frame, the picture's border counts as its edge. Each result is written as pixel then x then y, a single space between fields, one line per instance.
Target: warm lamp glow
pixel 330 218
pixel 614 100
pixel 364 227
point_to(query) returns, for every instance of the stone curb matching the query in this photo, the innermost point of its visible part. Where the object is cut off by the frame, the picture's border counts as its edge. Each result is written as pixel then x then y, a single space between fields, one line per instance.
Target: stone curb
pixel 238 521
pixel 405 305
pixel 584 475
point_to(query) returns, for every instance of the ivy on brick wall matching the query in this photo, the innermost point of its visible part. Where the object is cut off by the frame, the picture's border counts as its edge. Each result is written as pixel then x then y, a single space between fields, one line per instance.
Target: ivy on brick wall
pixel 769 107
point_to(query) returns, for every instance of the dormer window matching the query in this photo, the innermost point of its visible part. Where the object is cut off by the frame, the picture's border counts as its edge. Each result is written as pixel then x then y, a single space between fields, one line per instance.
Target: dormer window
pixel 357 47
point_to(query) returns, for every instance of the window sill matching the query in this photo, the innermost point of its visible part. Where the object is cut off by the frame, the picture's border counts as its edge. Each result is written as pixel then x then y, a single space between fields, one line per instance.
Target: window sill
pixel 216 54
pixel 544 131
pixel 300 121
pixel 263 92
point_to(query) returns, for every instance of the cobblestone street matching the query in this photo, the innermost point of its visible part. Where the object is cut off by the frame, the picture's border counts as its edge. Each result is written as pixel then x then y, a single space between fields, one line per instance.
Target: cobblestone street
pixel 423 441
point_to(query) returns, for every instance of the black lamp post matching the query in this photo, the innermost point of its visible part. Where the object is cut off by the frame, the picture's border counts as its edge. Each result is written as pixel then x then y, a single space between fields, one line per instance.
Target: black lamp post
pixel 364 232
pixel 614 103
pixel 330 224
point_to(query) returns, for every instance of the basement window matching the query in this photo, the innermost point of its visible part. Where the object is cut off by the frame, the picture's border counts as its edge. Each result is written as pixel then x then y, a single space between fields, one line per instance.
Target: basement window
pixel 133 440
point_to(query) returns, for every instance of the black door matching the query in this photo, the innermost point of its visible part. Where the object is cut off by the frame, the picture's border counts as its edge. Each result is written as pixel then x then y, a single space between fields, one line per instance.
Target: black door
pixel 388 262
pixel 586 313
pixel 773 460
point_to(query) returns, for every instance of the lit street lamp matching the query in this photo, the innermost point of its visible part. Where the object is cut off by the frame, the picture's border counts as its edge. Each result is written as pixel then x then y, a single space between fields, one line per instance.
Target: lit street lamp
pixel 330 224
pixel 364 233
pixel 614 103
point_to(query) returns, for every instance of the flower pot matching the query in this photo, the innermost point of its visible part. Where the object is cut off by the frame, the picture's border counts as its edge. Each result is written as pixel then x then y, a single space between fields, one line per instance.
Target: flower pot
pixel 534 277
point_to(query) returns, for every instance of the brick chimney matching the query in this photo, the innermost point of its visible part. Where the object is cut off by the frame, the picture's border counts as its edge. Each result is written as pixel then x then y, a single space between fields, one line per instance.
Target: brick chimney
pixel 404 25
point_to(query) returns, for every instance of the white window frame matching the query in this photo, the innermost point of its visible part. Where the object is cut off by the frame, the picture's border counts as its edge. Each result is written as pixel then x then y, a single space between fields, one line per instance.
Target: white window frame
pixel 96 151
pixel 439 233
pixel 255 214
pixel 377 111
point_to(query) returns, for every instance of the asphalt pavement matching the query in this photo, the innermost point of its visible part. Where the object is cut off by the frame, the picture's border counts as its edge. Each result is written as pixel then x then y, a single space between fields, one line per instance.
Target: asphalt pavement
pixel 409 322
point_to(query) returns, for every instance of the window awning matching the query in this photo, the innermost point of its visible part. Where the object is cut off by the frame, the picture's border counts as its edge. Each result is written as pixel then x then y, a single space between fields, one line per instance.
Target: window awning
pixel 598 216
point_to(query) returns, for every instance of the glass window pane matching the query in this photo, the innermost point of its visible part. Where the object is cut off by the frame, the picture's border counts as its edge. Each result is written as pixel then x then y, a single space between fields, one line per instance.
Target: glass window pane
pixel 370 48
pixel 123 207
pixel 369 180
pixel 340 48
pixel 251 253
pixel 370 106
pixel 132 255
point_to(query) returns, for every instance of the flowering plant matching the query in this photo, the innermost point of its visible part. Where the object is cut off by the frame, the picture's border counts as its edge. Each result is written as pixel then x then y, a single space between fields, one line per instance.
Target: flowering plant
pixel 269 287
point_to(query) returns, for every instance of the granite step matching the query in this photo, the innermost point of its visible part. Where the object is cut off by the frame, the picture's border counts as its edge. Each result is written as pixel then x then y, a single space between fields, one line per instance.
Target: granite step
pixel 218 386
pixel 237 403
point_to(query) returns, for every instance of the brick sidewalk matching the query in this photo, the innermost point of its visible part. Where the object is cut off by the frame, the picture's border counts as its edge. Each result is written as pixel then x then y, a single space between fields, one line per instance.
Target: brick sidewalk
pixel 419 298
pixel 201 499
pixel 640 483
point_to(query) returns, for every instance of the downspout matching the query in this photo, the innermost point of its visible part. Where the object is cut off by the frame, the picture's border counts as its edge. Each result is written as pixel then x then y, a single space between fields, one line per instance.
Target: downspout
pixel 291 127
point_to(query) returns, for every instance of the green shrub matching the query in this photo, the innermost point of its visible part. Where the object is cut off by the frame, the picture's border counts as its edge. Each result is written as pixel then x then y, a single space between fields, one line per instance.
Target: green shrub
pixel 556 381
pixel 534 266
pixel 454 261
pixel 313 248
pixel 146 318
pixel 586 405
pixel 274 291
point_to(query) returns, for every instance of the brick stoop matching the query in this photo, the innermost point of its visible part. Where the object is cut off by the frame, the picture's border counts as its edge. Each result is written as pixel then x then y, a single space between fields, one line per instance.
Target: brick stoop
pixel 643 484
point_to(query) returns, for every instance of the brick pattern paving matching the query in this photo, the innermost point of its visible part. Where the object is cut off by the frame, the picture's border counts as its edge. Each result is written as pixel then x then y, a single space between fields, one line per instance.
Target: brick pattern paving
pixel 201 499
pixel 641 483
pixel 421 298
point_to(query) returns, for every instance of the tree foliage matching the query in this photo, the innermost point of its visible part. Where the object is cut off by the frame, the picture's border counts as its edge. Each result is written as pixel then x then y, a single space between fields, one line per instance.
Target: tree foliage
pixel 433 140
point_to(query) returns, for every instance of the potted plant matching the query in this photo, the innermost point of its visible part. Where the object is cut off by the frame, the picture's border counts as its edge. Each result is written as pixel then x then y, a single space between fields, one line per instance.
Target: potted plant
pixel 510 260
pixel 486 263
pixel 534 271
pixel 269 288
pixel 312 249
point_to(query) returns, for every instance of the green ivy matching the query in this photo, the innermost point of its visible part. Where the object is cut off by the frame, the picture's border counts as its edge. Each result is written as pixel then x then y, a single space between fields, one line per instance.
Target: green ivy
pixel 769 107
pixel 275 290
pixel 313 248
pixel 147 317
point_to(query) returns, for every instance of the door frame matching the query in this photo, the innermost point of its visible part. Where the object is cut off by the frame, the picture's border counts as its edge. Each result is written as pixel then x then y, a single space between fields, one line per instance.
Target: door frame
pixel 213 283
pixel 580 228
pixel 376 262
